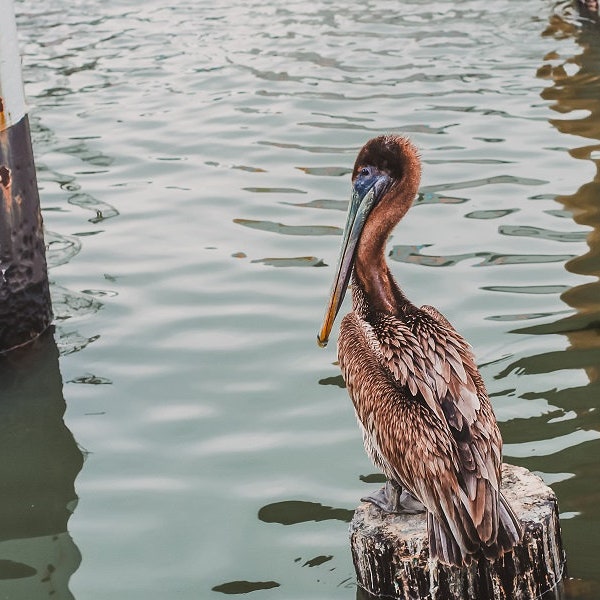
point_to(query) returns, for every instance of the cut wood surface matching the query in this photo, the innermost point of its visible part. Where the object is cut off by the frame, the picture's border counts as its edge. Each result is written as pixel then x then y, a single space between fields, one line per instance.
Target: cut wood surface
pixel 390 552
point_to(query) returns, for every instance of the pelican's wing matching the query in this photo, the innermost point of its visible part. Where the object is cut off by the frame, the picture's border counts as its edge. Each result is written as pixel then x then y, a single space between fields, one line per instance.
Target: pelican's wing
pixel 464 401
pixel 405 437
pixel 430 360
pixel 409 435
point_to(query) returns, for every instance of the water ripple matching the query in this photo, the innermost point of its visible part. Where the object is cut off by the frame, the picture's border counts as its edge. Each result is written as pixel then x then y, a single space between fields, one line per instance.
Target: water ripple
pixel 473 183
pixel 272 227
pixel 539 232
pixel 299 261
pixel 60 248
pixel 412 254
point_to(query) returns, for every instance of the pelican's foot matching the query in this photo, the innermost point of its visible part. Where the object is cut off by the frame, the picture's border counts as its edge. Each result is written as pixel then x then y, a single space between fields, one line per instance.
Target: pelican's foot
pixel 393 498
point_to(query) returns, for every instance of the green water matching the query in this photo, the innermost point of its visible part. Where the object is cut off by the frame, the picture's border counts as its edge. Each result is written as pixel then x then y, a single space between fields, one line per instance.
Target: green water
pixel 193 164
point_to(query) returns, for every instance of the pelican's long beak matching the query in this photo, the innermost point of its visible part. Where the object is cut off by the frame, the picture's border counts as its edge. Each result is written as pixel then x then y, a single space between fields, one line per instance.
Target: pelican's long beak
pixel 358 211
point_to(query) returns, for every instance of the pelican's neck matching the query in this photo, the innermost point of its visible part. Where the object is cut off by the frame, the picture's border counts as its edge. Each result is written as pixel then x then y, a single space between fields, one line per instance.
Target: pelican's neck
pixel 371 270
pixel 375 281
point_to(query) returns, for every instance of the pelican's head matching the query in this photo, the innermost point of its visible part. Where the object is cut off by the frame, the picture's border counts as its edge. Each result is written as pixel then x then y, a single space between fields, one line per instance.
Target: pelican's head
pixel 382 167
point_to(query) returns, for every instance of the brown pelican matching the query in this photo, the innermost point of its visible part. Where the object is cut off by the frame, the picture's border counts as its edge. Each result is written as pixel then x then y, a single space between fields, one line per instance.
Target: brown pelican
pixel 421 403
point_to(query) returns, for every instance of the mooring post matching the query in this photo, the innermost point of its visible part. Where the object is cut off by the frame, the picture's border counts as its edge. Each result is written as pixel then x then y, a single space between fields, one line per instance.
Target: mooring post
pixel 391 556
pixel 25 307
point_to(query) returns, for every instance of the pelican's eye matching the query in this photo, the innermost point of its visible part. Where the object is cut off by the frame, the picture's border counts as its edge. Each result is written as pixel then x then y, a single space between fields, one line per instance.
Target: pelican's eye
pixel 364 172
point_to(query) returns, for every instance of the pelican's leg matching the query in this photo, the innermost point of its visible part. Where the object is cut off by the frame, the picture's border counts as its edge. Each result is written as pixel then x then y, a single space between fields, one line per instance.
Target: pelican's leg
pixel 393 498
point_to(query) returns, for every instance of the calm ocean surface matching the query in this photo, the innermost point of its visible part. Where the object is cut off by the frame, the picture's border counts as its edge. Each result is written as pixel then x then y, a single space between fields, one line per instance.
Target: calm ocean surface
pixel 193 163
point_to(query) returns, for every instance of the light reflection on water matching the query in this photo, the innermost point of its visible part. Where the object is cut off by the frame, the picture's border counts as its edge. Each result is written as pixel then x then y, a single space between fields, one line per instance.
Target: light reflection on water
pixel 184 151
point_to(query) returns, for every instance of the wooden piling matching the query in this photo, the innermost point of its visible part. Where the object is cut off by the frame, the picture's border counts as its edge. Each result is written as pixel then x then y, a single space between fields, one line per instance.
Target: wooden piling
pixel 391 559
pixel 25 307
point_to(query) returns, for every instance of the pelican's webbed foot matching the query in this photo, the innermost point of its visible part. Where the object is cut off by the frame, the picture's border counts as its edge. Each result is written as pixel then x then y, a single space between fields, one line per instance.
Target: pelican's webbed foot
pixel 393 498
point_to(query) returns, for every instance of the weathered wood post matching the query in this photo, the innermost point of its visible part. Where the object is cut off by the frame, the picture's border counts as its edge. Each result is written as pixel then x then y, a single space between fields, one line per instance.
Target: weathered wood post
pixel 391 556
pixel 25 307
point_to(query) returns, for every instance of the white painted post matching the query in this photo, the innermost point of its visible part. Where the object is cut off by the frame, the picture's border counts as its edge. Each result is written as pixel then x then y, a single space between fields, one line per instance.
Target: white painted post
pixel 25 307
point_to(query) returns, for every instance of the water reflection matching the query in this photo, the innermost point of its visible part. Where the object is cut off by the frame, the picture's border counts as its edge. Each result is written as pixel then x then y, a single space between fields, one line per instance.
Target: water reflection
pixel 575 88
pixel 40 460
pixel 579 93
pixel 290 512
pixel 244 587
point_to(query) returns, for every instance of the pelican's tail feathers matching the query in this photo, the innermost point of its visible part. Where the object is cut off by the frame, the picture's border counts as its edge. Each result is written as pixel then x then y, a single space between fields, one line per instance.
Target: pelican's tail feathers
pixel 510 529
pixel 442 544
pixel 459 544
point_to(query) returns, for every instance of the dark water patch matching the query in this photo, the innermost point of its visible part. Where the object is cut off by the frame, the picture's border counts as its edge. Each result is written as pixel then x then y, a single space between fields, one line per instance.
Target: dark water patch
pixel 330 125
pixel 273 190
pixel 555 422
pixel 345 118
pixel 490 214
pixel 338 381
pixel 548 362
pixel 244 587
pixel 317 560
pixel 299 261
pixel 527 289
pixel 501 393
pixel 94 172
pixel 539 232
pixel 472 183
pixel 433 198
pixel 415 128
pixel 249 169
pixel 373 478
pixel 289 229
pixel 325 171
pixel 88 233
pixel 488 112
pixel 322 203
pixel 571 324
pixel 581 399
pixel 311 149
pixel 490 140
pixel 91 379
pixel 412 254
pixel 543 197
pixel 468 161
pixel 10 569
pixel 100 293
pixel 291 512
pixel 519 317
pixel 54 209
pixel 561 214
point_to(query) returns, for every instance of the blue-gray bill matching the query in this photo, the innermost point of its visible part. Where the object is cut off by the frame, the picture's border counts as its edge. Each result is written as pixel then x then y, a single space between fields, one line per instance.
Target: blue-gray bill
pixel 358 211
